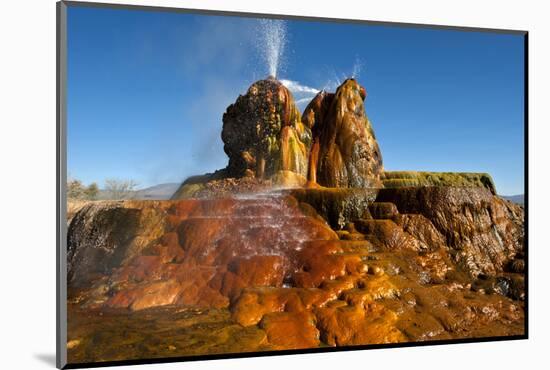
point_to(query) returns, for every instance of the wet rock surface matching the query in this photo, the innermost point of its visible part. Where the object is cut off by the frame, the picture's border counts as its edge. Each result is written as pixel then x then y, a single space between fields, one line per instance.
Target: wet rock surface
pixel 345 152
pixel 350 255
pixel 263 133
pixel 337 205
pixel 195 252
pixel 269 143
pixel 266 272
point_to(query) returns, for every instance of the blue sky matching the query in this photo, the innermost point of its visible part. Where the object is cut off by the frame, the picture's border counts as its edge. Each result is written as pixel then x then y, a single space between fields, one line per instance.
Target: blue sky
pixel 147 91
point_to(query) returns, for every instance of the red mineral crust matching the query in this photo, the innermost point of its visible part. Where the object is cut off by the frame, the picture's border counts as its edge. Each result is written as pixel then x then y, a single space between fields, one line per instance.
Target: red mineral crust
pixel 286 273
pixel 254 258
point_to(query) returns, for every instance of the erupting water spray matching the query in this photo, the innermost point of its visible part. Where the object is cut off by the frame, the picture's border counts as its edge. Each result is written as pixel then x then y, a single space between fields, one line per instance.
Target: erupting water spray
pixel 272 43
pixel 271 46
pixel 357 67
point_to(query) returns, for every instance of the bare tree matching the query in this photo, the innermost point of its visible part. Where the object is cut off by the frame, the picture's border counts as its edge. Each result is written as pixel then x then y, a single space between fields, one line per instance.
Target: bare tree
pixel 75 189
pixel 120 189
pixel 92 191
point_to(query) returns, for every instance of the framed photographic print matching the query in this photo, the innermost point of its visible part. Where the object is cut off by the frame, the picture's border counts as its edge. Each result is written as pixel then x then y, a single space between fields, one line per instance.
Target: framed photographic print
pixel 235 184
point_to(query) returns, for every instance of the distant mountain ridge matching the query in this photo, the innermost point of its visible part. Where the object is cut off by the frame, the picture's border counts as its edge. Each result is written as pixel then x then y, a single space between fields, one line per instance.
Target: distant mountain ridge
pixel 518 199
pixel 159 192
pixel 155 192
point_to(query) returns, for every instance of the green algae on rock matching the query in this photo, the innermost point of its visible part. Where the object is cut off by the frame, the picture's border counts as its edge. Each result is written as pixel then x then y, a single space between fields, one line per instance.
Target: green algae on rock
pixel 397 179
pixel 263 133
pixel 267 139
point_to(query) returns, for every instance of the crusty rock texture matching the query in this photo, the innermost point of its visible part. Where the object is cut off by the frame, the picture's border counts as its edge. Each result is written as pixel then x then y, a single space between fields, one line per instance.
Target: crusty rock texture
pixel 337 206
pixel 266 138
pixel 263 133
pixel 350 255
pixel 484 232
pixel 345 152
pixel 269 273
pixel 191 252
pixel 103 235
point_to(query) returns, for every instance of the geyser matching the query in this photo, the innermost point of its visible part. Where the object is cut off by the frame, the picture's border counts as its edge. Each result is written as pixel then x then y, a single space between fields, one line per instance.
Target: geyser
pixel 271 43
pixel 263 134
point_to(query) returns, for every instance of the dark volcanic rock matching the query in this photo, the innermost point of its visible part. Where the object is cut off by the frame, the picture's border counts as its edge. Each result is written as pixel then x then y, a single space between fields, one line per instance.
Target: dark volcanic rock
pixel 345 152
pixel 337 206
pixel 263 133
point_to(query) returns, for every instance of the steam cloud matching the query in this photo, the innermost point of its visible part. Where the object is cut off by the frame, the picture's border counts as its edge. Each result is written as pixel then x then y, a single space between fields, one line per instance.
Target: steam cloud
pixel 302 93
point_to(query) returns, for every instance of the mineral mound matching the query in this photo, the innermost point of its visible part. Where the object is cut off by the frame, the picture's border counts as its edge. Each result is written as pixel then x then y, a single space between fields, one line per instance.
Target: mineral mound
pixel 263 134
pixel 303 240
pixel 345 152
